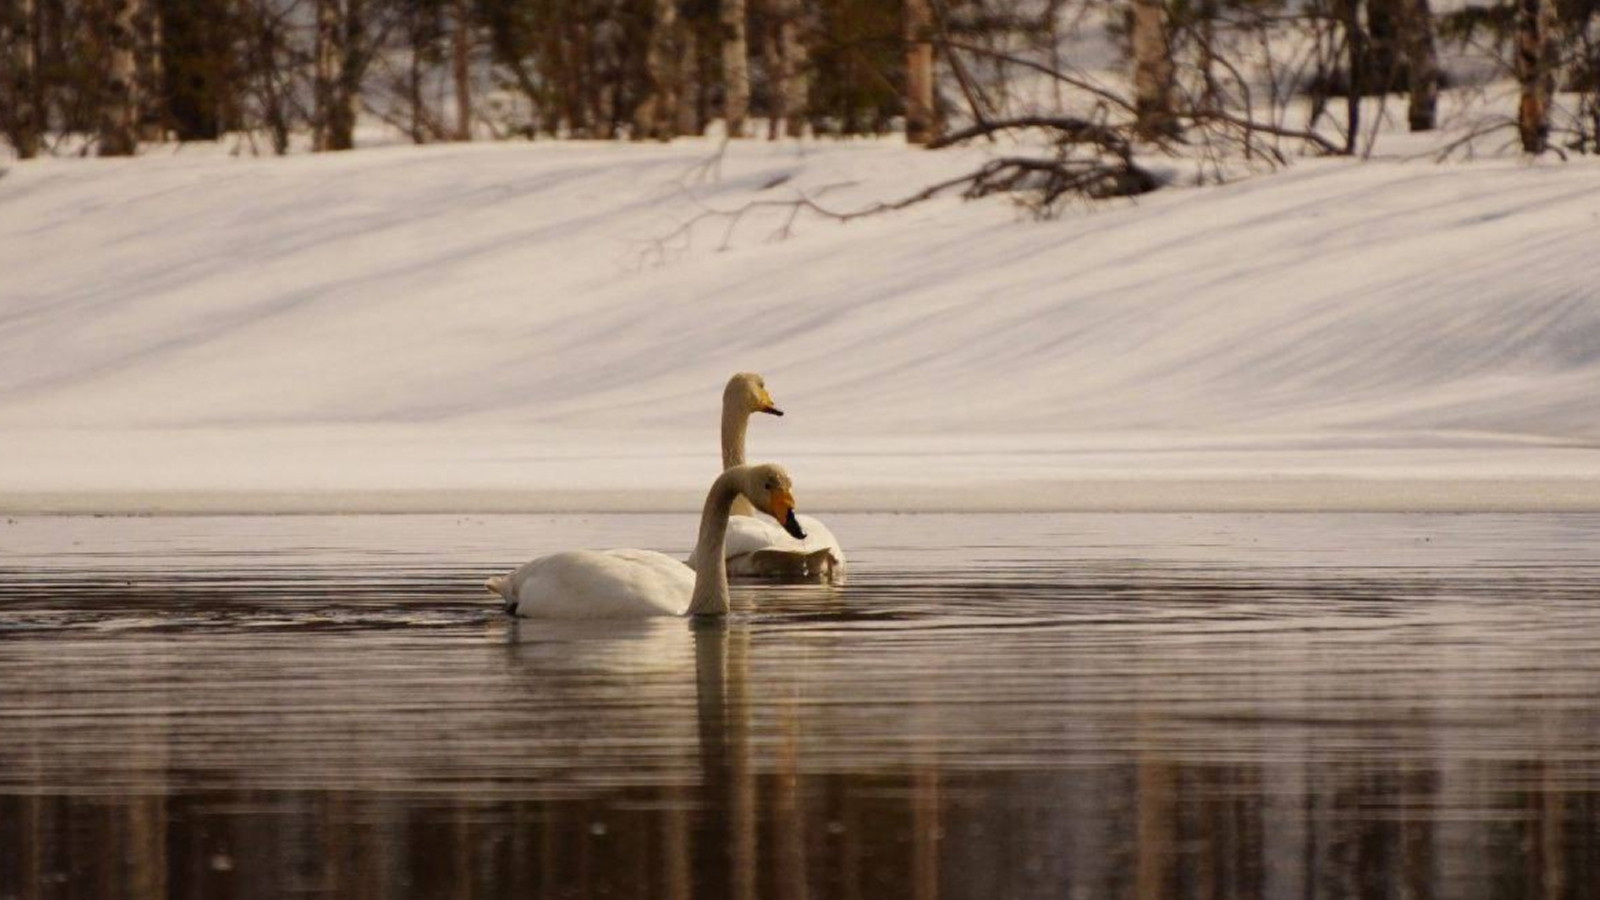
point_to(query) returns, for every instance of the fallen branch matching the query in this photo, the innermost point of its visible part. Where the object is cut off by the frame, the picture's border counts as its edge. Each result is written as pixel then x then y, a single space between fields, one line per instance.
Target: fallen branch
pixel 1069 129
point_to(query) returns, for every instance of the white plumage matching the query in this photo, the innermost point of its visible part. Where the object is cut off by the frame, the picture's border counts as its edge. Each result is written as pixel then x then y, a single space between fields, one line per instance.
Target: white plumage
pixel 611 584
pixel 756 547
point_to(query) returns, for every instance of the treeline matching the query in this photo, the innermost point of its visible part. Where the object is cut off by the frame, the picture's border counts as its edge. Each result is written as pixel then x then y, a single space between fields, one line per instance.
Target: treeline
pixel 104 76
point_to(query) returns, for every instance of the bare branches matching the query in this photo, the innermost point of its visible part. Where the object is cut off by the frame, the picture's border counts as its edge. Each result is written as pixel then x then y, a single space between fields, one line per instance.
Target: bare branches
pixel 1066 128
pixel 1249 126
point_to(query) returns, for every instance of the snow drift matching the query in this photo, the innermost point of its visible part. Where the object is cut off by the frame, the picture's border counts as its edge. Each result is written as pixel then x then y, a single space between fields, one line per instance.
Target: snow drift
pixel 525 327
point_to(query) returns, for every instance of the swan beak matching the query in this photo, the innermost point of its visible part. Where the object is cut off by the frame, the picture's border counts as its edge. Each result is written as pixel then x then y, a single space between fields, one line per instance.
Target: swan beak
pixel 783 511
pixel 768 407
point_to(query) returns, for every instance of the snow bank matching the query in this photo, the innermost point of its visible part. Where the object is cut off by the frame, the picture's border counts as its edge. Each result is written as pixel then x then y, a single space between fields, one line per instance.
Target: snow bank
pixel 518 326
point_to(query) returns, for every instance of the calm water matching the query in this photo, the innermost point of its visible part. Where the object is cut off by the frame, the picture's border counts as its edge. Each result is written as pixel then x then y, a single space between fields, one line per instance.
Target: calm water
pixel 1091 706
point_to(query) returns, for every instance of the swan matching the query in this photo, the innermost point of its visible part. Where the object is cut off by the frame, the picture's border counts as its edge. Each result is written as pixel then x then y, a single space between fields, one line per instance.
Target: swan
pixel 755 547
pixel 610 584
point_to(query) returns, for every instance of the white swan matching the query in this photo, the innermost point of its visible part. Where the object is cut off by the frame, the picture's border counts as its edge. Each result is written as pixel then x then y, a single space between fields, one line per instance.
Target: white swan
pixel 609 584
pixel 757 548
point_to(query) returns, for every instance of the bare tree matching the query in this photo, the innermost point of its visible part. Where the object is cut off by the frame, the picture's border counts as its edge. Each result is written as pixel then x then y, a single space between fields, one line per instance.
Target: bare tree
pixel 461 64
pixel 920 125
pixel 1152 68
pixel 787 62
pixel 735 66
pixel 20 86
pixel 1536 63
pixel 1422 63
pixel 338 73
pixel 152 124
pixel 120 101
pixel 660 114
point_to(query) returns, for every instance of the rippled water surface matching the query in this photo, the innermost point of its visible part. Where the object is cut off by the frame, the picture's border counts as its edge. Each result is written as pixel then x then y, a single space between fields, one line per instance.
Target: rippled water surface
pixel 1086 706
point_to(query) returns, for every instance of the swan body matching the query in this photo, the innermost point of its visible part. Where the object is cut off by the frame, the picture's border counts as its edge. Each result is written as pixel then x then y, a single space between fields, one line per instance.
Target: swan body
pixel 755 547
pixel 598 584
pixel 611 584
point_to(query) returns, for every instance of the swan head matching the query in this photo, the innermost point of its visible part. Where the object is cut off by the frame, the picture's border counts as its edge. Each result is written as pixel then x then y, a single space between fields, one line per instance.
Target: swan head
pixel 770 490
pixel 747 393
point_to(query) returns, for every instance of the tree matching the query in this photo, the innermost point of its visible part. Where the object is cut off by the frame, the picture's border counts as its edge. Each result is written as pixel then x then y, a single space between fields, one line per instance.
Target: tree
pixel 1422 63
pixel 339 66
pixel 735 66
pixel 461 64
pixel 120 102
pixel 919 72
pixel 1152 69
pixel 21 99
pixel 787 62
pixel 661 114
pixel 1536 63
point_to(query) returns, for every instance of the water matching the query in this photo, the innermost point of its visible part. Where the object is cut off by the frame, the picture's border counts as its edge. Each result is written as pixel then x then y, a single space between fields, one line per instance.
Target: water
pixel 1085 706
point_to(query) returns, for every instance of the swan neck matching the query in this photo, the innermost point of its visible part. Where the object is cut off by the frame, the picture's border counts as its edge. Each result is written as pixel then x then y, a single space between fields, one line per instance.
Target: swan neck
pixel 735 422
pixel 710 596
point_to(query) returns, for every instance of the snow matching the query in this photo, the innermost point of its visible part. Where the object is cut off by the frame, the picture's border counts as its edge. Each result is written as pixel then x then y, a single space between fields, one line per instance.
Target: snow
pixel 517 327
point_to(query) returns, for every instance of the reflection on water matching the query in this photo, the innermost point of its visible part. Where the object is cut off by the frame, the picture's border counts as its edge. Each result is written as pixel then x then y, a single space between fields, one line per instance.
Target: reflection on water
pixel 994 707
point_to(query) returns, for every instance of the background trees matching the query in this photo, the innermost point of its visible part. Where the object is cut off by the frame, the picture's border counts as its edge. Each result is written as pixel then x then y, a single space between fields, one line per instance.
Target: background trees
pixel 102 76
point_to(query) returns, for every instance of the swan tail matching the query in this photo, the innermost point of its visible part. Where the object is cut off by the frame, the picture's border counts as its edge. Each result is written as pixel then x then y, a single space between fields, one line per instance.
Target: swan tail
pixel 501 584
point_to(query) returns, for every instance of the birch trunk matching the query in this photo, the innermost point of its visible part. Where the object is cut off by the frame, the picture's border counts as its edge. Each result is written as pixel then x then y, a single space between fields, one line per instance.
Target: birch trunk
pixel 1422 64
pixel 119 103
pixel 1535 71
pixel 1152 69
pixel 735 67
pixel 338 74
pixel 327 72
pixel 461 59
pixel 919 72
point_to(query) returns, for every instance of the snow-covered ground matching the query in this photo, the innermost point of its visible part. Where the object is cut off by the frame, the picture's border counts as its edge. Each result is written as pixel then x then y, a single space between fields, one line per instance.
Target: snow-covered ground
pixel 516 327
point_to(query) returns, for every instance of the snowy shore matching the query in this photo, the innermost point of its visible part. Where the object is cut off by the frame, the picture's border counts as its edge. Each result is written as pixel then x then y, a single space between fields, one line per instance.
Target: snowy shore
pixel 518 328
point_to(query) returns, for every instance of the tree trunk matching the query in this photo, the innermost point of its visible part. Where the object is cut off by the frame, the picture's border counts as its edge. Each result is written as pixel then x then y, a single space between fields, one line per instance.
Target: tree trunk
pixel 735 67
pixel 419 114
pixel 19 44
pixel 658 116
pixel 1152 69
pixel 151 59
pixel 1385 25
pixel 351 68
pixel 327 73
pixel 1211 93
pixel 1356 84
pixel 1422 64
pixel 1535 71
pixel 119 101
pixel 919 72
pixel 790 71
pixel 692 93
pixel 461 59
pixel 338 73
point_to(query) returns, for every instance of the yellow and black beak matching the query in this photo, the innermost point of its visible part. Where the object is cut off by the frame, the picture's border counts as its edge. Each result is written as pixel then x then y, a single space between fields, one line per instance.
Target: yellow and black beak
pixel 767 406
pixel 783 510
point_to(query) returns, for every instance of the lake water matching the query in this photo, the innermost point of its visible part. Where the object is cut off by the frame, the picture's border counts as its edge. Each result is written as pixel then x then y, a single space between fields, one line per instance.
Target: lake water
pixel 1075 706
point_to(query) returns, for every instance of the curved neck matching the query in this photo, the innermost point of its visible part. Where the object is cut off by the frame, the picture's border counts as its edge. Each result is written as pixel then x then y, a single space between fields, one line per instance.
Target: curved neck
pixel 735 421
pixel 711 571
